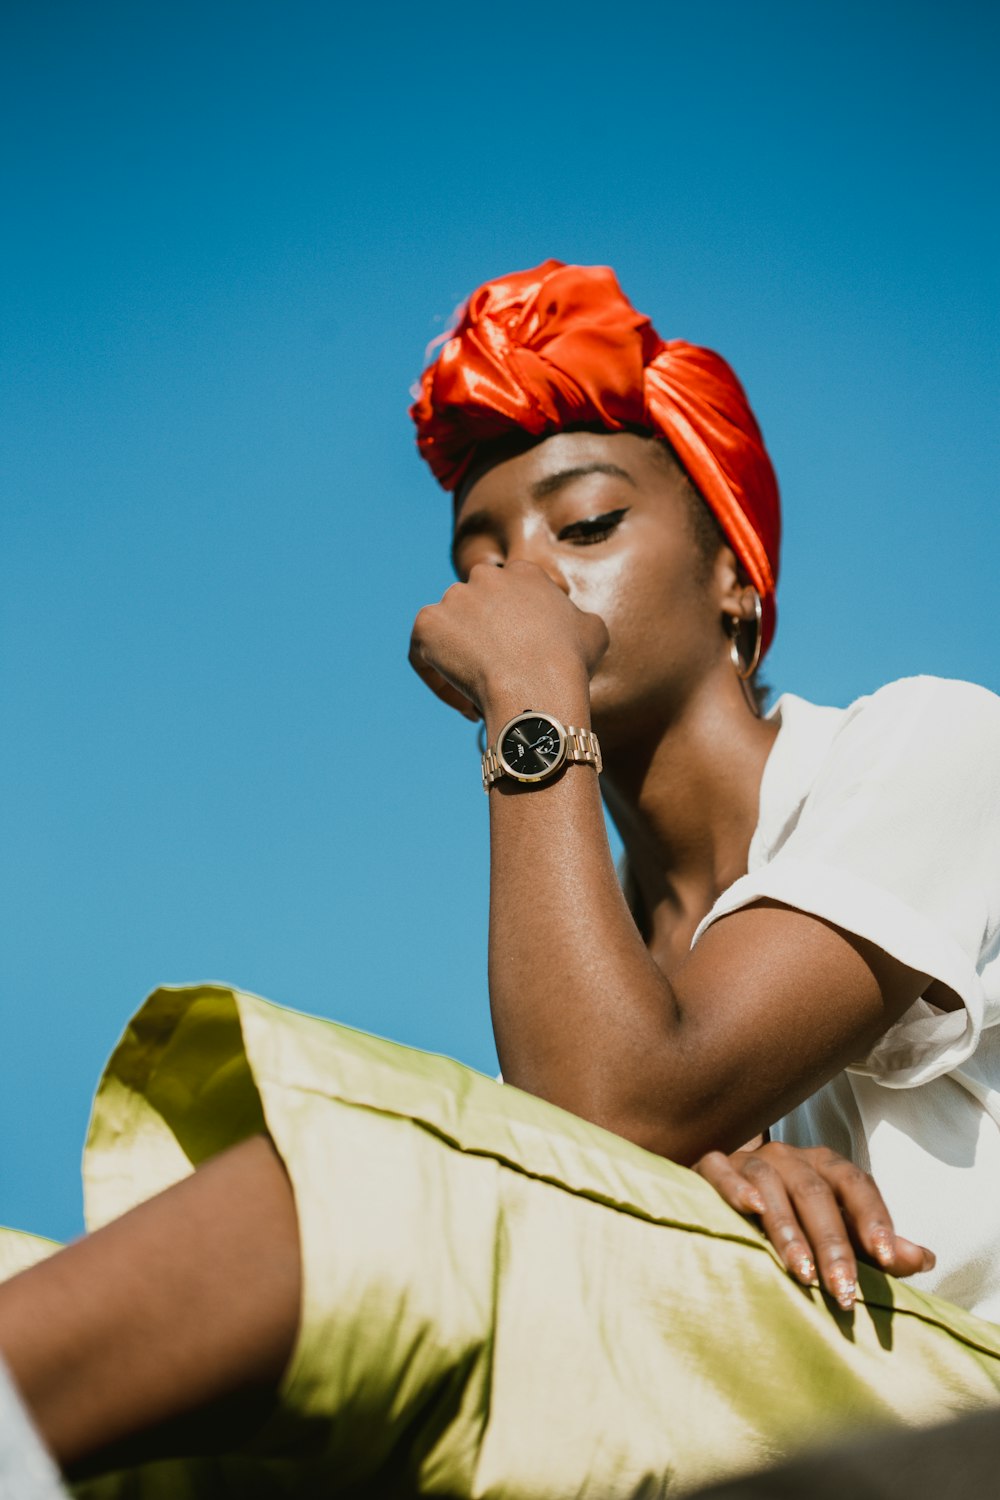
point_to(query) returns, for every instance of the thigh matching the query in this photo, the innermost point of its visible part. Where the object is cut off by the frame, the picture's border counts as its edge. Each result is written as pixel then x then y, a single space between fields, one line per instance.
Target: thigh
pixel 500 1298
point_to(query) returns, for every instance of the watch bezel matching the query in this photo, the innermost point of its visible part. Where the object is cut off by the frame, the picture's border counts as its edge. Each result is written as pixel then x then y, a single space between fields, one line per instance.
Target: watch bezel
pixel 535 776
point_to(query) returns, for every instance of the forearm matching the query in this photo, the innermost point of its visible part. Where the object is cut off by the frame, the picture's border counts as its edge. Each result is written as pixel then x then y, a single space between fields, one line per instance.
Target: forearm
pixel 188 1304
pixel 769 1004
pixel 582 1015
pixel 584 1018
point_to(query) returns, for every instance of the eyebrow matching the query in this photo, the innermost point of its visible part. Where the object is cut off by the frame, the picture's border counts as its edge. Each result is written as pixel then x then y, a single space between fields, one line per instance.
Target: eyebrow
pixel 480 522
pixel 552 482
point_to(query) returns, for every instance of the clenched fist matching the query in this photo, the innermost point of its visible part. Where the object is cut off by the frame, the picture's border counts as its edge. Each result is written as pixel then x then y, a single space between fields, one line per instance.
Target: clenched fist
pixel 503 641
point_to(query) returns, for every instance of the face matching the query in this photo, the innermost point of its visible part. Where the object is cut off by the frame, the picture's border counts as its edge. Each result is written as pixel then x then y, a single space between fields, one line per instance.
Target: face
pixel 608 518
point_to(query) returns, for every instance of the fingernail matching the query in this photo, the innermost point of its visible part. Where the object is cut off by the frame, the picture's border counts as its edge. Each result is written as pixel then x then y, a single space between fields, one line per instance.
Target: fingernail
pixel 885 1250
pixel 806 1271
pixel 754 1201
pixel 844 1288
pixel 922 1249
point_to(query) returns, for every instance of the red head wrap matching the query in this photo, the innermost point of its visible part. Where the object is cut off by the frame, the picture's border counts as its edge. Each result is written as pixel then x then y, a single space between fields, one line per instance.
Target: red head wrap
pixel 561 347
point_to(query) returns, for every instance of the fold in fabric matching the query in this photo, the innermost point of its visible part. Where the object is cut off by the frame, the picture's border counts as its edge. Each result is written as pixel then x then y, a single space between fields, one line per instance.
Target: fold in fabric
pixel 499 1298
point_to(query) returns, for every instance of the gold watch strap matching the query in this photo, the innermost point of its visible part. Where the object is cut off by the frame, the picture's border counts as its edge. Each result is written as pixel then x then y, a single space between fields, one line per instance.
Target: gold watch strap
pixel 582 748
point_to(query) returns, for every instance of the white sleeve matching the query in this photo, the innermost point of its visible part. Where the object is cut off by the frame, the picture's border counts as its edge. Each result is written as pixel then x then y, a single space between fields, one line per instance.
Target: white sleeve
pixel 26 1466
pixel 898 841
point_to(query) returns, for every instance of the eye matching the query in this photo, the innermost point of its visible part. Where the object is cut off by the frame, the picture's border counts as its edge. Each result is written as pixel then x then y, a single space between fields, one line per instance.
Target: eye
pixel 474 550
pixel 593 529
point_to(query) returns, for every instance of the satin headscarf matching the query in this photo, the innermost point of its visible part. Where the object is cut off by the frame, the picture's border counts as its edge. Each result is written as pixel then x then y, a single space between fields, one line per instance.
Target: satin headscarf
pixel 561 347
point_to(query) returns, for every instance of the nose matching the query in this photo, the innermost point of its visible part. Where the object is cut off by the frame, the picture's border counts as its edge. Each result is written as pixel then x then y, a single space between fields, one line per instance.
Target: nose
pixel 536 550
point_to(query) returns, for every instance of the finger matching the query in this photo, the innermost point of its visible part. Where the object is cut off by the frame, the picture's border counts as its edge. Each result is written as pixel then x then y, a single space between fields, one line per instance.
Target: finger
pixel 717 1168
pixel 823 1223
pixel 780 1222
pixel 912 1258
pixel 597 638
pixel 863 1208
pixel 442 688
pixel 870 1221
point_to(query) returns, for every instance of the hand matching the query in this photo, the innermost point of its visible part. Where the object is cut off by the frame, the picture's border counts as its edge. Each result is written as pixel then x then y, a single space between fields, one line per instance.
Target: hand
pixel 817 1209
pixel 506 636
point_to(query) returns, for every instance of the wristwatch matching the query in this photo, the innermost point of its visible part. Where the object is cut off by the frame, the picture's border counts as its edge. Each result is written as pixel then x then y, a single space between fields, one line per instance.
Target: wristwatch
pixel 533 746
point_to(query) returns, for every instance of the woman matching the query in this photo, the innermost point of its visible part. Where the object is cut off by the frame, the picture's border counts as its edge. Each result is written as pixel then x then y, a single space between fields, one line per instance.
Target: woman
pixel 486 1290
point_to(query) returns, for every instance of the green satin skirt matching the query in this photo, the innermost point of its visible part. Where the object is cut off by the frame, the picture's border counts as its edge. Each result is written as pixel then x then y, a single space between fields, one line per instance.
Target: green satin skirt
pixel 499 1299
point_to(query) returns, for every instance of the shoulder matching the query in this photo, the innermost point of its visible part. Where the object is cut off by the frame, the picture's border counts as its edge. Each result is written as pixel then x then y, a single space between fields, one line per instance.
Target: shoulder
pixel 915 765
pixel 919 697
pixel 924 720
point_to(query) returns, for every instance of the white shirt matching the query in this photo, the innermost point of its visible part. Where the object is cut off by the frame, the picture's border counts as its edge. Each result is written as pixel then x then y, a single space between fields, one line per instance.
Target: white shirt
pixel 26 1469
pixel 884 818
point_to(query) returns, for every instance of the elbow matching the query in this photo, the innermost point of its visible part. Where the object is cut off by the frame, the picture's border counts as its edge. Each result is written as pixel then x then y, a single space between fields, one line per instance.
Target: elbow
pixel 656 1102
pixel 663 1115
pixel 634 1116
pixel 672 1139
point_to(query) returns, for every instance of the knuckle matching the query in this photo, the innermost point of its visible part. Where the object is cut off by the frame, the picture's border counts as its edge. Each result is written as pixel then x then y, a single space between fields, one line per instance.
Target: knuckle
pixel 713 1160
pixel 831 1245
pixel 783 1227
pixel 812 1186
pixel 836 1261
pixel 852 1176
pixel 758 1170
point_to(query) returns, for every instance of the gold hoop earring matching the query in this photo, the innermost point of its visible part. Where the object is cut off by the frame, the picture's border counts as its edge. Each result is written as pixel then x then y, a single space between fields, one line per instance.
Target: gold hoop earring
pixel 734 642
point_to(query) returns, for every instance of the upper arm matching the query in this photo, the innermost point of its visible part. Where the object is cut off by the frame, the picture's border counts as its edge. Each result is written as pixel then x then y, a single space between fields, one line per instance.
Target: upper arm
pixel 889 881
pixel 773 1002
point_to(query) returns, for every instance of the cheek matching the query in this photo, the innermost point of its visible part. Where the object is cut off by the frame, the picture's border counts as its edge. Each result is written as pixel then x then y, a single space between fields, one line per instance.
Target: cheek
pixel 631 590
pixel 659 616
pixel 630 602
pixel 602 584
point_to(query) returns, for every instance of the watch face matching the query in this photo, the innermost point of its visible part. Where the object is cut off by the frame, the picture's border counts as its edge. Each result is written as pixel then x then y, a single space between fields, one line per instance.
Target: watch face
pixel 531 746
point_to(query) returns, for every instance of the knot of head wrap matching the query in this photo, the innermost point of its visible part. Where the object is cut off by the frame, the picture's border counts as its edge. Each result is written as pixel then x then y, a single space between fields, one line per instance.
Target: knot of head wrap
pixel 561 347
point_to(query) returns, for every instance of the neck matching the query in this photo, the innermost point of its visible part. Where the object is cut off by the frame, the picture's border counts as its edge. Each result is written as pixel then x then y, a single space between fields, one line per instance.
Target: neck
pixel 685 800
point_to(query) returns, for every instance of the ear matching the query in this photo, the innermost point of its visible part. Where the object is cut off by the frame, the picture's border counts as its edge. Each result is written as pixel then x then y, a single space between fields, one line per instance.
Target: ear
pixel 731 586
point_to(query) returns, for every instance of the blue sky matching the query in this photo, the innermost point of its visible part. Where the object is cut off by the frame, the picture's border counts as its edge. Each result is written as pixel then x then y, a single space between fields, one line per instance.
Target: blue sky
pixel 231 232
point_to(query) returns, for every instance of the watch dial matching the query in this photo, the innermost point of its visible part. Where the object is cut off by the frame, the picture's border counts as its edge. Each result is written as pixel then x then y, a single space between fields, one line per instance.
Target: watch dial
pixel 530 746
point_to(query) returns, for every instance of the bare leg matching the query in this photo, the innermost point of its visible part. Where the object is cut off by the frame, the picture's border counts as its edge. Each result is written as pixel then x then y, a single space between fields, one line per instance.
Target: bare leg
pixel 184 1309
